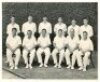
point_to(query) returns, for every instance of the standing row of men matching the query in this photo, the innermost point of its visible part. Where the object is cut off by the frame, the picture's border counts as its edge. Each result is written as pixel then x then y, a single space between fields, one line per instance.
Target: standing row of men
pixel 73 44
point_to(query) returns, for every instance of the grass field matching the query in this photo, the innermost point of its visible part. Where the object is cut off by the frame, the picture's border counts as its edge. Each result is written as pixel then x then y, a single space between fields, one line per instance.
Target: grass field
pixel 53 73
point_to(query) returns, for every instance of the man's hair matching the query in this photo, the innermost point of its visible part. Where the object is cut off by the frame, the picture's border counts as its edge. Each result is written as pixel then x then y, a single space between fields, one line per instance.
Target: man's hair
pixel 86 18
pixel 44 30
pixel 14 29
pixel 59 17
pixel 73 19
pixel 30 16
pixel 60 30
pixel 12 16
pixel 45 17
pixel 85 32
pixel 29 31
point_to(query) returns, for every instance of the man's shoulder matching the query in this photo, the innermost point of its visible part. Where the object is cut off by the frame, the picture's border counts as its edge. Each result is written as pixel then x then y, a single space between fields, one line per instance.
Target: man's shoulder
pixel 33 23
pixel 18 37
pixel 70 26
pixel 89 26
pixel 48 23
pixel 56 24
pixel 77 26
pixel 9 24
pixel 82 26
pixel 16 24
pixel 25 23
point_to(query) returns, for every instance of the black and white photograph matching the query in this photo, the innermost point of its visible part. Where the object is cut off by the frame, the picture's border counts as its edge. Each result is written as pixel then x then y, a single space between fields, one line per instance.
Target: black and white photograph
pixel 50 40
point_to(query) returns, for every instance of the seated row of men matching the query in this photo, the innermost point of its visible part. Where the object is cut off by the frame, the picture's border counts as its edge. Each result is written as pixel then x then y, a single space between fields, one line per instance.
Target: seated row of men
pixel 80 49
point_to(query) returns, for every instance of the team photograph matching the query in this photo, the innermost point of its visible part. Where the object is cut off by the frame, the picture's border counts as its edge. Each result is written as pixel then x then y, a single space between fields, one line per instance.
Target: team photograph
pixel 49 40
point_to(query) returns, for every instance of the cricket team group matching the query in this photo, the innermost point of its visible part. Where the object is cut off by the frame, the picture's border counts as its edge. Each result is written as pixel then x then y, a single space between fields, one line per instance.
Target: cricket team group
pixel 76 46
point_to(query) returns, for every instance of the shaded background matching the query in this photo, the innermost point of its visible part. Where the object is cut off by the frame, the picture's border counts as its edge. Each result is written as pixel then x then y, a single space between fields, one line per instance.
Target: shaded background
pixel 68 11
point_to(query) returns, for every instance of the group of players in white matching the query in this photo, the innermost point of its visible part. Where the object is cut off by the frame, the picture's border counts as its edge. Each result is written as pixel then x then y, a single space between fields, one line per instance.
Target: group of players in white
pixel 76 46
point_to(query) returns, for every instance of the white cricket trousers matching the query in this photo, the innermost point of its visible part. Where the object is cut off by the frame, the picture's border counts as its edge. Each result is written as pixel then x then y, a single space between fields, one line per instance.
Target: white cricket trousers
pixel 85 61
pixel 10 58
pixel 61 55
pixel 68 58
pixel 46 53
pixel 32 55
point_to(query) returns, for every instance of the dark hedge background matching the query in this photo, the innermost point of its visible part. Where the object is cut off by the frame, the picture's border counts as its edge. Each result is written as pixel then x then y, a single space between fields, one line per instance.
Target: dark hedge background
pixel 68 11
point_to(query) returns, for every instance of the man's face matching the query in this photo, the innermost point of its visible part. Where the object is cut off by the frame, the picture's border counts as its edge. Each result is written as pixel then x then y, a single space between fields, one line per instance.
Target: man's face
pixel 14 32
pixel 84 35
pixel 60 20
pixel 29 33
pixel 72 33
pixel 73 22
pixel 12 19
pixel 85 21
pixel 60 33
pixel 30 19
pixel 43 33
pixel 45 19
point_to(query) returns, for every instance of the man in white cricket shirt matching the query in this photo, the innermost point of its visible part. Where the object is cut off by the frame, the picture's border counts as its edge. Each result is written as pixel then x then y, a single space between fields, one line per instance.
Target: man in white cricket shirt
pixel 72 45
pixel 29 44
pixel 44 43
pixel 45 25
pixel 29 25
pixel 13 43
pixel 11 25
pixel 59 44
pixel 86 27
pixel 75 27
pixel 85 49
pixel 60 25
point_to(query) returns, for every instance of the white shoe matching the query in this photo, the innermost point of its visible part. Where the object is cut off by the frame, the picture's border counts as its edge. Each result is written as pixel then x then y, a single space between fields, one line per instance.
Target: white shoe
pixel 26 66
pixel 12 67
pixel 72 67
pixel 84 69
pixel 68 67
pixel 80 68
pixel 45 65
pixel 16 67
pixel 55 65
pixel 30 66
pixel 41 65
pixel 59 66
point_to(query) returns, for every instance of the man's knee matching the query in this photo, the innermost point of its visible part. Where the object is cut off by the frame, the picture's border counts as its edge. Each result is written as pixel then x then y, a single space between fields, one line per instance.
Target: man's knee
pixel 47 51
pixel 39 51
pixel 18 52
pixel 67 52
pixel 54 52
pixel 87 54
pixel 8 52
pixel 33 51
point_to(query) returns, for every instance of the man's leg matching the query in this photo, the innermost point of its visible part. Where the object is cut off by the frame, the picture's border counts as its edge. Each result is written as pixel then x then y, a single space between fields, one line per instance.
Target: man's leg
pixel 86 60
pixel 10 59
pixel 47 56
pixel 32 55
pixel 79 60
pixel 18 54
pixel 54 55
pixel 61 56
pixel 67 57
pixel 25 53
pixel 39 52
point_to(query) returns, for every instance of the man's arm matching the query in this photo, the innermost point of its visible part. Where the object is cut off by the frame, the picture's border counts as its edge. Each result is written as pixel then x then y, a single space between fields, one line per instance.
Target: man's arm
pixel 9 47
pixel 25 48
